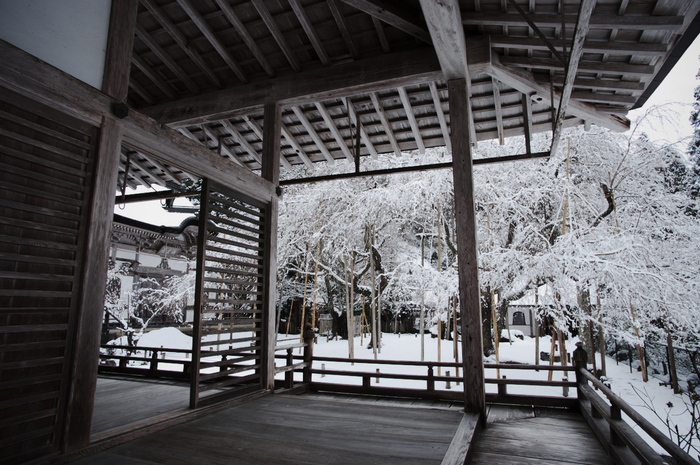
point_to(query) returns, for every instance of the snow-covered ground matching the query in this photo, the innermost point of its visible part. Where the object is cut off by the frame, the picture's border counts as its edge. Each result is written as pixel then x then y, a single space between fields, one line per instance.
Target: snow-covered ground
pixel 629 386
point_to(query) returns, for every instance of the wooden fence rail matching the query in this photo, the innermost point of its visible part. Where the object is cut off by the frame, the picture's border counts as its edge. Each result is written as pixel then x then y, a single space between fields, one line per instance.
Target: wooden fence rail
pixel 617 436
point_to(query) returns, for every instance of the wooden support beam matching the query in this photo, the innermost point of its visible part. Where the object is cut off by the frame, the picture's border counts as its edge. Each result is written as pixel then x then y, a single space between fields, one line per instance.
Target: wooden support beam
pixel 312 133
pixel 343 80
pixel 310 31
pixel 410 169
pixel 444 21
pixel 642 23
pixel 385 123
pixel 120 44
pixel 381 35
pixel 584 66
pixel 221 49
pixel 582 26
pixel 440 115
pixel 238 25
pixel 223 150
pixel 468 267
pixel 86 346
pixel 271 173
pixel 330 124
pixel 589 46
pixel 527 122
pixel 406 102
pixel 525 82
pixel 180 39
pixel 394 15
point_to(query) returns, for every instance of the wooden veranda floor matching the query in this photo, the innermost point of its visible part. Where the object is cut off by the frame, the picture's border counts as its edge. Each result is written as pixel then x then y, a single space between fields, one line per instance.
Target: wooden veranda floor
pixel 324 429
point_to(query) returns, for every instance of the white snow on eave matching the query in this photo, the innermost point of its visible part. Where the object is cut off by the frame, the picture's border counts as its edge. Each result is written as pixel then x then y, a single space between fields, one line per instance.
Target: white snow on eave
pixel 68 34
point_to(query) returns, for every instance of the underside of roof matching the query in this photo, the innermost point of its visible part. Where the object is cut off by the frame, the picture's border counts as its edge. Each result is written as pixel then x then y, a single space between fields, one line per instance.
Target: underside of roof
pixel 208 67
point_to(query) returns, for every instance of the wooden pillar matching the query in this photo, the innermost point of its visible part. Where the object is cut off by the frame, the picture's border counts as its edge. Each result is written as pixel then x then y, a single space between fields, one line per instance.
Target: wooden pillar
pixel 472 351
pixel 270 172
pixel 88 321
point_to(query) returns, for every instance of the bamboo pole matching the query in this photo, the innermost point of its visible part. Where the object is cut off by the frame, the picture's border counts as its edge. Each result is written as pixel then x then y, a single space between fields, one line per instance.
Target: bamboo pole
pixel 372 302
pixel 363 322
pixel 422 301
pixel 496 335
pixel 289 317
pixel 455 337
pixel 349 310
pixel 601 335
pixel 313 307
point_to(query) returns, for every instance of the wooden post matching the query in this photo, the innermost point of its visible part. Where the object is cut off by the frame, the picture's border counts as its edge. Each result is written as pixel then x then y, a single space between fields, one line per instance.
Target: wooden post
pixel 289 375
pixel 502 388
pixel 580 360
pixel 153 368
pixel 308 353
pixel 270 172
pixel 470 307
pixel 431 378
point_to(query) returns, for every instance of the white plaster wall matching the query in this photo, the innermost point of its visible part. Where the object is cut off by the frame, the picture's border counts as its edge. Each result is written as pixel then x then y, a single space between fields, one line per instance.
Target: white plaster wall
pixel 68 34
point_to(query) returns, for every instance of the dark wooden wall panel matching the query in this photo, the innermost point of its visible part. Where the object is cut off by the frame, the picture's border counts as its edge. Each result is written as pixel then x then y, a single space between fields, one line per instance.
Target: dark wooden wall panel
pixel 45 158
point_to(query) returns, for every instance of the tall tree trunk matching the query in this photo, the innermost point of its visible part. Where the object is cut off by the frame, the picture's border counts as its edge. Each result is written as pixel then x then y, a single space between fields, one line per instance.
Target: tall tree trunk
pixel 672 363
pixel 350 301
pixel 640 350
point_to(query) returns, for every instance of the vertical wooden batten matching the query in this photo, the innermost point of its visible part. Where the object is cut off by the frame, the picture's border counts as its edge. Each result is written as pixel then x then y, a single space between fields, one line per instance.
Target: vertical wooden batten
pixel 270 172
pixel 470 308
pixel 120 43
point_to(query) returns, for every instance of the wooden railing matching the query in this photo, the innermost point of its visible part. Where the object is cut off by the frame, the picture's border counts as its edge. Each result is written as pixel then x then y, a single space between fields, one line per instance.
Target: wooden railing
pixel 621 441
pixel 153 359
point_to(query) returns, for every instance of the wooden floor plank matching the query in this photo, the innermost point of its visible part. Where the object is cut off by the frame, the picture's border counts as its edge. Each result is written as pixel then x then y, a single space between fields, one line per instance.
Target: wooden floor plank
pixel 294 430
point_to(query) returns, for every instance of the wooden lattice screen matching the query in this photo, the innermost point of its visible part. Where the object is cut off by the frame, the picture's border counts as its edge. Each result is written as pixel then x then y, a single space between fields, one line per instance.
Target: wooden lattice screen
pixel 45 159
pixel 228 337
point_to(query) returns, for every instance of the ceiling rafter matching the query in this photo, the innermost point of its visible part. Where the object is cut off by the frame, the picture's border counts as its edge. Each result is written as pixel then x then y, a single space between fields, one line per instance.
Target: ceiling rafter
pixel 582 26
pixel 440 115
pixel 357 122
pixel 312 133
pixel 310 31
pixel 291 140
pixel 240 140
pixel 243 33
pixel 152 75
pixel 406 102
pixel 334 6
pixel 642 23
pixel 209 132
pixel 589 46
pixel 180 39
pixel 386 125
pixel 392 14
pixel 381 35
pixel 276 34
pixel 610 68
pixel 330 124
pixel 165 58
pixel 206 30
pixel 255 127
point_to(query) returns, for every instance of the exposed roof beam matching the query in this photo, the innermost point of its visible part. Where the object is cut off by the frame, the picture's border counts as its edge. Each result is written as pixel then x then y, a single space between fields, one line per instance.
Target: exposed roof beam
pixel 222 148
pixel 355 120
pixel 276 33
pixel 238 137
pixel 221 49
pixel 525 82
pixel 328 119
pixel 499 111
pixel 444 19
pixel 381 35
pixel 406 102
pixel 142 34
pixel 291 140
pixel 584 66
pixel 597 84
pixel 312 133
pixel 527 122
pixel 343 80
pixel 539 33
pixel 343 27
pixel 310 31
pixel 148 71
pixel 582 26
pixel 393 15
pixel 258 132
pixel 243 32
pixel 385 123
pixel 180 39
pixel 440 115
pixel 589 46
pixel 604 21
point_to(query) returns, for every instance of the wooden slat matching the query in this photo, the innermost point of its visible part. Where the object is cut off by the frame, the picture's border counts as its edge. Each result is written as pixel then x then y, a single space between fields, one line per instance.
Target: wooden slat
pixel 276 33
pixel 310 31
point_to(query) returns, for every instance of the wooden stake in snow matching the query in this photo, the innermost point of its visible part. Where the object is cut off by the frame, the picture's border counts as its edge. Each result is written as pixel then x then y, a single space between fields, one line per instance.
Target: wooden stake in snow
pixel 313 307
pixel 349 300
pixel 303 300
